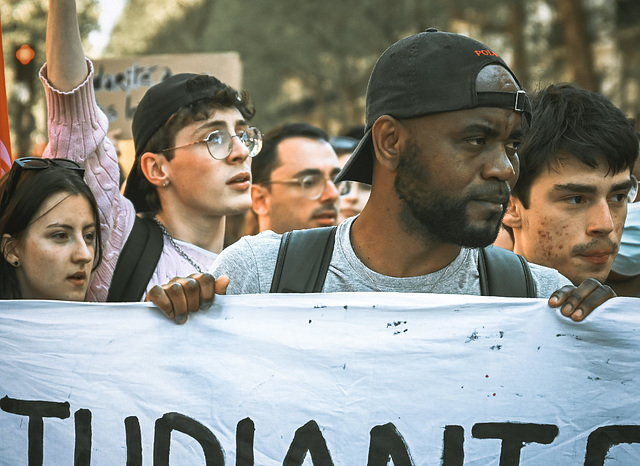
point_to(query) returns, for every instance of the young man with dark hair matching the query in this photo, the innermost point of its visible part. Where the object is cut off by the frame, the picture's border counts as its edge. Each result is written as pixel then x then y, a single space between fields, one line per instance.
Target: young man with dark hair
pixel 192 168
pixel 569 205
pixel 293 184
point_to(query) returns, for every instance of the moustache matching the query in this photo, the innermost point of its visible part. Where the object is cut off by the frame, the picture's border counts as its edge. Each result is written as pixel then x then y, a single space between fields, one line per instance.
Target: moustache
pixel 595 244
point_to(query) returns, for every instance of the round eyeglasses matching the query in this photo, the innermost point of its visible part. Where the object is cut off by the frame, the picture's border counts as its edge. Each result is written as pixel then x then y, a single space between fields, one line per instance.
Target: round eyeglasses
pixel 220 142
pixel 313 185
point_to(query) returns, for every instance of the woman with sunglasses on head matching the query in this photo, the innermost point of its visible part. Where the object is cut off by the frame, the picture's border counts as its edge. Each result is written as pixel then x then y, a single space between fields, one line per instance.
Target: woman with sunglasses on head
pixel 49 231
pixel 192 166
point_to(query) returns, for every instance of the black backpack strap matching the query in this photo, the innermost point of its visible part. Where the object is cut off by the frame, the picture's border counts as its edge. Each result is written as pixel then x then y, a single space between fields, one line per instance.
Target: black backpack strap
pixel 504 273
pixel 303 260
pixel 137 261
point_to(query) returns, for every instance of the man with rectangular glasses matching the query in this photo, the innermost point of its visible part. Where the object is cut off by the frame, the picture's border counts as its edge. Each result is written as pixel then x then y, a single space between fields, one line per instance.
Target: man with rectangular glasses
pixel 192 168
pixel 293 186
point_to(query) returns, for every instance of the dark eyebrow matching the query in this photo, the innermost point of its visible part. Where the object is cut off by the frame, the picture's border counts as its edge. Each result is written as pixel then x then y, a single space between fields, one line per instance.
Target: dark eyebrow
pixel 217 124
pixel 60 225
pixel 622 186
pixel 64 226
pixel 574 188
pixel 307 171
pixel 586 189
pixel 490 131
pixel 480 128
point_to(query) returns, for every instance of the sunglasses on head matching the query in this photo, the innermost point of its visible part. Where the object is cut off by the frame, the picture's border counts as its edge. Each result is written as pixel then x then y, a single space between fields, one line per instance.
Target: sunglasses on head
pixel 33 163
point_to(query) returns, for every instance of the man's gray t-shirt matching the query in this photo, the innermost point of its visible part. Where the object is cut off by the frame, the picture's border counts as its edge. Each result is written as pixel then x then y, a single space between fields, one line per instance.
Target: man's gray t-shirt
pixel 250 262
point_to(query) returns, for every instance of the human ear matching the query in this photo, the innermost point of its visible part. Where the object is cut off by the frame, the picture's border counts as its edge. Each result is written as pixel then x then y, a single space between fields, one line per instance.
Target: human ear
pixel 388 136
pixel 154 168
pixel 512 218
pixel 8 246
pixel 260 200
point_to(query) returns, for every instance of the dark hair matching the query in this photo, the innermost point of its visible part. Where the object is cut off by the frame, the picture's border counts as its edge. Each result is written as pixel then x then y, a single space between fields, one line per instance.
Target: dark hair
pixel 267 159
pixel 34 188
pixel 569 120
pixel 223 96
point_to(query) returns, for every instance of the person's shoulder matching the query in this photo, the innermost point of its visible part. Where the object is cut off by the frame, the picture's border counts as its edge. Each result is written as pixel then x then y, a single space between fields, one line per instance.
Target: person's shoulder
pixel 249 263
pixel 547 279
pixel 251 248
pixel 264 239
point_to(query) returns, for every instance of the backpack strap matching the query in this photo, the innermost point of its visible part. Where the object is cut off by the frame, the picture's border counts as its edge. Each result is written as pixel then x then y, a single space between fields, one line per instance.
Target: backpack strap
pixel 137 261
pixel 504 273
pixel 303 260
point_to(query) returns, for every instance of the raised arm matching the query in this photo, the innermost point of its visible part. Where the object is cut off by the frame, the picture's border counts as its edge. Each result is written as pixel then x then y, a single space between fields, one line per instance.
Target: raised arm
pixel 67 67
pixel 78 131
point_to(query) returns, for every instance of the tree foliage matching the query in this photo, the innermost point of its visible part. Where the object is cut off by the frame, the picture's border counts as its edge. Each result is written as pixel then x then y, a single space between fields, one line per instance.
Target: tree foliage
pixel 311 61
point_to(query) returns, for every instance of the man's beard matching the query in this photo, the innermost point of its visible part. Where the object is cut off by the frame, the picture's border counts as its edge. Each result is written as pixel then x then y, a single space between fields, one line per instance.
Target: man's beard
pixel 435 215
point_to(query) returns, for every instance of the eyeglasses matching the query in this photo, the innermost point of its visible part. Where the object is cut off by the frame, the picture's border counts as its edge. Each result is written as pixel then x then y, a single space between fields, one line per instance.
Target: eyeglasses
pixel 631 196
pixel 313 185
pixel 33 163
pixel 220 142
pixel 348 186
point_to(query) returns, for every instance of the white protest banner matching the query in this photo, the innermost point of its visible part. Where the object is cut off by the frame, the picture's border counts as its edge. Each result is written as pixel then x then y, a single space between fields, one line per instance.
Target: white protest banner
pixel 320 379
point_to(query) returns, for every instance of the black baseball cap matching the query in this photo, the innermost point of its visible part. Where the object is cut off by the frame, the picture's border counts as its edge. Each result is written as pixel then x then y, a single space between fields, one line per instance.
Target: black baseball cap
pixel 157 105
pixel 429 72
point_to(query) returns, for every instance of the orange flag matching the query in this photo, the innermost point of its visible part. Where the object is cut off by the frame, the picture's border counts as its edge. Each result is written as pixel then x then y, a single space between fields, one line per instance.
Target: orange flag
pixel 5 140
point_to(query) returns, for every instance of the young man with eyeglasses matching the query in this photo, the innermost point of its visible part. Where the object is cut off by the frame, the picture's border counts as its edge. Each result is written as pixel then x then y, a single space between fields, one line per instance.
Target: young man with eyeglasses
pixel 293 186
pixel 568 208
pixel 193 151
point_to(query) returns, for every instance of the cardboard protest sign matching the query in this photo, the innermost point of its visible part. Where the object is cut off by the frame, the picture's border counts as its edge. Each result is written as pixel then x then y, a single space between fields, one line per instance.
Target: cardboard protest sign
pixel 121 82
pixel 322 379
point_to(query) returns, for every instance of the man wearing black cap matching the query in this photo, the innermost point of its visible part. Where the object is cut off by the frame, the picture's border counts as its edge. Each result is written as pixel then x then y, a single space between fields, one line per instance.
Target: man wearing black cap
pixel 192 166
pixel 444 120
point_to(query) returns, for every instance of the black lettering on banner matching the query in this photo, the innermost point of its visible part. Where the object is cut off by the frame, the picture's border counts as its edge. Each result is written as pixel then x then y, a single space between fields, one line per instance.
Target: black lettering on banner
pixel 134 441
pixel 602 439
pixel 36 411
pixel 244 442
pixel 514 436
pixel 387 443
pixel 82 453
pixel 453 448
pixel 308 438
pixel 213 453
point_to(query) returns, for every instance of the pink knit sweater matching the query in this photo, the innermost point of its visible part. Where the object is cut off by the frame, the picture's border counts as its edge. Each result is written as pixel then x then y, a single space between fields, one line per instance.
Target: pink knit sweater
pixel 78 131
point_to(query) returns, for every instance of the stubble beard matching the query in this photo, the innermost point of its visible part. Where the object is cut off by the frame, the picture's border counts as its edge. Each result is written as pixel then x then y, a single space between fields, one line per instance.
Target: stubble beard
pixel 435 216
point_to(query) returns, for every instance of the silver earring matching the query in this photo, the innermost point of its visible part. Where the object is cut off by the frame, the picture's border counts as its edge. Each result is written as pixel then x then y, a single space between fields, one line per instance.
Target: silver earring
pixel 16 263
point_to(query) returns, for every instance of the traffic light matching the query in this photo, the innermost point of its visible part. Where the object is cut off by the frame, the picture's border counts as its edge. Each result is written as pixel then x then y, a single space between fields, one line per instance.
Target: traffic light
pixel 22 98
pixel 25 65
